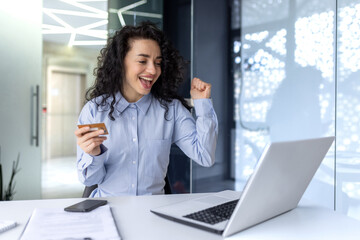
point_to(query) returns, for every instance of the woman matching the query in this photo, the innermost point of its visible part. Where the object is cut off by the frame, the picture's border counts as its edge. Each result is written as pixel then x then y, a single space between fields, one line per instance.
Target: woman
pixel 135 95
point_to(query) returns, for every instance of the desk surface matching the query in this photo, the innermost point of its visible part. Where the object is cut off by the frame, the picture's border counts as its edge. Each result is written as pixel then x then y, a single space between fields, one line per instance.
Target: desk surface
pixel 135 221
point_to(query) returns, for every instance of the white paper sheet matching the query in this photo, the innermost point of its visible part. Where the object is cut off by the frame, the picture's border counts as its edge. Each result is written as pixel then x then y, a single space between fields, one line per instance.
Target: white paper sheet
pixel 56 224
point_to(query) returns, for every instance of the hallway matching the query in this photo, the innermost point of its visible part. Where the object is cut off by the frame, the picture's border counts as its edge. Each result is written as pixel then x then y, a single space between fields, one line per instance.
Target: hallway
pixel 59 179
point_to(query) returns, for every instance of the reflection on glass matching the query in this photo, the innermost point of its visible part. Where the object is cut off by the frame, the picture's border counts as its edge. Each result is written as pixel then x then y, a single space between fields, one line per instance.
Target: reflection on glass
pixel 348 109
pixel 284 85
pixel 284 88
pixel 314 42
pixel 129 12
pixel 277 42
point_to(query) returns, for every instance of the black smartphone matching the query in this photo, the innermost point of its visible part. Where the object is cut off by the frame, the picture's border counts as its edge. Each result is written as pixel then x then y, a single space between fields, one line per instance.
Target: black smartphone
pixel 85 206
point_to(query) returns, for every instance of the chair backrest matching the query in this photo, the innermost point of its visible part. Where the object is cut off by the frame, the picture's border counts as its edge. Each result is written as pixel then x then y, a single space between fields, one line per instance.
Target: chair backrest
pixel 167 187
pixel 88 190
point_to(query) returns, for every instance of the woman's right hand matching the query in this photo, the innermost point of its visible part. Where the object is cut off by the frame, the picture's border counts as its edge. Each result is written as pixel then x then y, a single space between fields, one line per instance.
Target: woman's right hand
pixel 88 141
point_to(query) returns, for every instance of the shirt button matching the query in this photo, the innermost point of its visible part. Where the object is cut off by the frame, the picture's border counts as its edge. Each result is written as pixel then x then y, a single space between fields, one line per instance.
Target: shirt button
pixel 134 162
pixel 134 139
pixel 133 118
pixel 133 185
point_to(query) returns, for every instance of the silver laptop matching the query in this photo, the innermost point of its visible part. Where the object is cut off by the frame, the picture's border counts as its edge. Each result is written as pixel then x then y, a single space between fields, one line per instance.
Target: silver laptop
pixel 281 177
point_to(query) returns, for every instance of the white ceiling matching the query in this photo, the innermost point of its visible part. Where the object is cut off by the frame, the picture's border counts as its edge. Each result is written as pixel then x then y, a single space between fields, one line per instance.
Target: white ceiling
pixel 75 22
pixel 84 22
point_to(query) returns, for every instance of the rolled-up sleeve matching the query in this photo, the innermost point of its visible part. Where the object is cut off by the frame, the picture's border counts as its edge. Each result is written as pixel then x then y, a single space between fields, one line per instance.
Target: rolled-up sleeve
pixel 197 139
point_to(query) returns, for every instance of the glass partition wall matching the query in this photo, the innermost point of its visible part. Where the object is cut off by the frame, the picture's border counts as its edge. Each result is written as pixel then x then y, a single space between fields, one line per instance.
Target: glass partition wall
pixel 348 108
pixel 295 68
pixel 284 86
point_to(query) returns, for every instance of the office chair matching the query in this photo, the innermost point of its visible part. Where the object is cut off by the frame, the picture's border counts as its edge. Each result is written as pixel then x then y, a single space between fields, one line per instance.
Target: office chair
pixel 88 190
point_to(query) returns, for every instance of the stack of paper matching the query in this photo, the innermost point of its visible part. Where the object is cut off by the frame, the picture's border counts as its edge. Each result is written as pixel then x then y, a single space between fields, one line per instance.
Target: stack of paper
pixel 50 223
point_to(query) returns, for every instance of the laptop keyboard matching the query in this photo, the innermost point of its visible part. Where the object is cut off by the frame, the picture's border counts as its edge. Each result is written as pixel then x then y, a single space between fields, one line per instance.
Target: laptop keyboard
pixel 215 214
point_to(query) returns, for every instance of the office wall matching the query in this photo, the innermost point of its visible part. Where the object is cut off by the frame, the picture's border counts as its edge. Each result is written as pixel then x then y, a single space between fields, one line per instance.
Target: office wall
pixel 202 39
pixel 177 27
pixel 209 62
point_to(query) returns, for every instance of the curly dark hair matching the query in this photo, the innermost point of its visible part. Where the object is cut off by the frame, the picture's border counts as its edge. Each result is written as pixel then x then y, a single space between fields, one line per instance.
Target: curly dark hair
pixel 110 71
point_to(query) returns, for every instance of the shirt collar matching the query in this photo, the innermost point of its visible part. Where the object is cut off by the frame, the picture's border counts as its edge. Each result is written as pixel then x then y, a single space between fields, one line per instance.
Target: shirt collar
pixel 143 103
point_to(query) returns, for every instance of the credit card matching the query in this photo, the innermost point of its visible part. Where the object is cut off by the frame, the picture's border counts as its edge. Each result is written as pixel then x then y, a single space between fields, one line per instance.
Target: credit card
pixel 95 127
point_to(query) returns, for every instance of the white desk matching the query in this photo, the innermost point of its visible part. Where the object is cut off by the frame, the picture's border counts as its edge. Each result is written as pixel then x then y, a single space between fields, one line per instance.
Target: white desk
pixel 135 221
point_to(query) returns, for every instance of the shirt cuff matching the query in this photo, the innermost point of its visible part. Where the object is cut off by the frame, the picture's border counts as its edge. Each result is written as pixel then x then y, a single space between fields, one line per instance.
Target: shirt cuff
pixel 94 161
pixel 203 107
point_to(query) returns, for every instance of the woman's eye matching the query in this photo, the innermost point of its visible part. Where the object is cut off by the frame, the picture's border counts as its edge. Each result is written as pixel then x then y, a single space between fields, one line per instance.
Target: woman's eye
pixel 158 64
pixel 142 62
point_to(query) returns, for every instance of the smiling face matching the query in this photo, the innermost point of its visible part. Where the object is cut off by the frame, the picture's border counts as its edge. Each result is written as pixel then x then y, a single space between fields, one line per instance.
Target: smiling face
pixel 142 68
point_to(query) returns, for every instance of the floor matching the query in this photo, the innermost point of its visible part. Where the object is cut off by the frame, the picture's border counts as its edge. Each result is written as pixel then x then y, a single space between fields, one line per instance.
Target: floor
pixel 59 179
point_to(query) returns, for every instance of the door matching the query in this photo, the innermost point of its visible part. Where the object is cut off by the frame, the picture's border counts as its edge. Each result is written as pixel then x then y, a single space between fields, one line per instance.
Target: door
pixel 65 99
pixel 20 69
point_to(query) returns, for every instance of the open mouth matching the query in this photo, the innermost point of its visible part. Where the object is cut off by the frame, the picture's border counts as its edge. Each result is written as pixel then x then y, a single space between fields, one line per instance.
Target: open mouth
pixel 146 82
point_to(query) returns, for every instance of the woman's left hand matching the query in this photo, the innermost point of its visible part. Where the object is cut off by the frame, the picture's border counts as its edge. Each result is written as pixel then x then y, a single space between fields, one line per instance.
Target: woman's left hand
pixel 200 89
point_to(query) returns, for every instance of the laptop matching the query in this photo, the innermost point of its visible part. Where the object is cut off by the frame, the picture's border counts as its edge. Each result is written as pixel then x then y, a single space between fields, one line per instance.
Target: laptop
pixel 276 186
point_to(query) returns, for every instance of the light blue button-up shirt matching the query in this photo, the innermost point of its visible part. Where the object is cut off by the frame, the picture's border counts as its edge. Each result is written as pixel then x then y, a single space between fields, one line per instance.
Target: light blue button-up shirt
pixel 135 155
